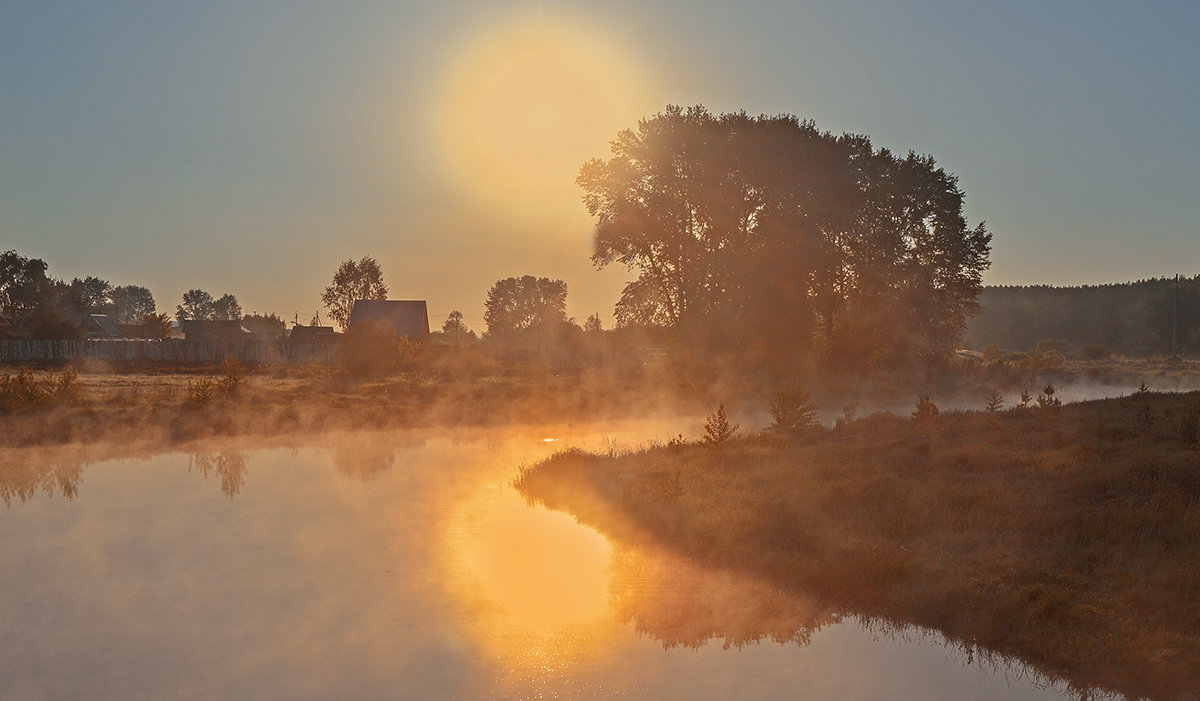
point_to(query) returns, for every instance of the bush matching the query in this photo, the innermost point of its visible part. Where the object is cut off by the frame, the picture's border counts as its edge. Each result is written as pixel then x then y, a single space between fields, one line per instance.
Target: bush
pixel 718 430
pixel 232 376
pixel 203 390
pixel 791 411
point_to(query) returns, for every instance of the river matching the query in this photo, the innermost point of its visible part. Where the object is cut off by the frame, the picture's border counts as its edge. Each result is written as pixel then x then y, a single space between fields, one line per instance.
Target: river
pixel 404 566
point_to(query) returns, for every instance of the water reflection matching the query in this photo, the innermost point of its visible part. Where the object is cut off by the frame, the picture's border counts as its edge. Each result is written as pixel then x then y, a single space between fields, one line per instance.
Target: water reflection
pixel 681 603
pixel 428 578
pixel 23 474
pixel 228 465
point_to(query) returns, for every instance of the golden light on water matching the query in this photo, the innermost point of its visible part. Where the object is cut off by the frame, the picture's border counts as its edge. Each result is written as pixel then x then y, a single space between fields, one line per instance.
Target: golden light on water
pixel 533 584
pixel 524 105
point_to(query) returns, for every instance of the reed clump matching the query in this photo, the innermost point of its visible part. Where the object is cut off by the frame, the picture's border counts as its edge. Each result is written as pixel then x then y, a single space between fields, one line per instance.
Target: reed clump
pixel 1028 532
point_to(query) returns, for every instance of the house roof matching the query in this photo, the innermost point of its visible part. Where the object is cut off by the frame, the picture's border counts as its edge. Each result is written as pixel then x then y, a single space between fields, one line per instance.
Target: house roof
pixel 308 334
pixel 104 324
pixel 408 317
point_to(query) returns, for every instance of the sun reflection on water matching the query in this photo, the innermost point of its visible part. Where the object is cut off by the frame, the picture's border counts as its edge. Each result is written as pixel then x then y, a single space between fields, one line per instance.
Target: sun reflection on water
pixel 533 585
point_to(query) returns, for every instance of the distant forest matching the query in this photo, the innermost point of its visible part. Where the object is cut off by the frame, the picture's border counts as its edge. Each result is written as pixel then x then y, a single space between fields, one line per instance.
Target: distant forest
pixel 1132 318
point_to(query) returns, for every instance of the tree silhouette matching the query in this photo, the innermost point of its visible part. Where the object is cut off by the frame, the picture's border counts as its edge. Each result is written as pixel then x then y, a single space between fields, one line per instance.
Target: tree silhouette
pixel 131 303
pixel 525 302
pixel 745 228
pixel 352 281
pixel 197 306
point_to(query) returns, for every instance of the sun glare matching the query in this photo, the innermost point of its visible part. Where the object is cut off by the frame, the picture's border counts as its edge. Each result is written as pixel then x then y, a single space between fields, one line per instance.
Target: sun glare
pixel 522 107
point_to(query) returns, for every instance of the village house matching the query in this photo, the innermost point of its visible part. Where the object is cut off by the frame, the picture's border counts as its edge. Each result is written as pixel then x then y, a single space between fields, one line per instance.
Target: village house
pixel 406 317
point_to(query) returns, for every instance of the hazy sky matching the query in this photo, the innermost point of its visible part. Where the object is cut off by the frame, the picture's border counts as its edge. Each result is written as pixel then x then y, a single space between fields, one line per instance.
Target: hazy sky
pixel 249 147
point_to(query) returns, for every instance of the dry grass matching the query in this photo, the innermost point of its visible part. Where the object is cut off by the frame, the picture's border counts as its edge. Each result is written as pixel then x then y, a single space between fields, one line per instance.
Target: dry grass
pixel 1068 537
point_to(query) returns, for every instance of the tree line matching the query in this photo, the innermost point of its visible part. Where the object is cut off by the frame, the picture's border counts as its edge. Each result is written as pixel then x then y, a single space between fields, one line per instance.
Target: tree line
pixel 1131 318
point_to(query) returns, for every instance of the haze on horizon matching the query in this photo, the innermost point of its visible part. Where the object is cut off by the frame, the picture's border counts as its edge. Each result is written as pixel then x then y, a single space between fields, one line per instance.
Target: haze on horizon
pixel 249 148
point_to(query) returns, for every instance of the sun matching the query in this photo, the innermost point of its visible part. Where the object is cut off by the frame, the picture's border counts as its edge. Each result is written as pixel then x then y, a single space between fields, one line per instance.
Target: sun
pixel 521 107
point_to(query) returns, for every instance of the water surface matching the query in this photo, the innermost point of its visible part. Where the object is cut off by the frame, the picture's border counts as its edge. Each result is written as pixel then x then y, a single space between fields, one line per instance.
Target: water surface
pixel 402 565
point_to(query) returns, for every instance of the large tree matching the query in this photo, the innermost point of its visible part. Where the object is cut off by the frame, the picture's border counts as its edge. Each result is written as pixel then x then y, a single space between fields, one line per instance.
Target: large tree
pixel 197 306
pixel 765 228
pixel 131 303
pixel 23 285
pixel 352 281
pixel 525 302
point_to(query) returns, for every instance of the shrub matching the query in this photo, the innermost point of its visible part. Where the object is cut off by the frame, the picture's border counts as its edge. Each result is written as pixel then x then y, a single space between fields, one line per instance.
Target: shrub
pixel 203 390
pixel 718 430
pixel 791 411
pixel 232 376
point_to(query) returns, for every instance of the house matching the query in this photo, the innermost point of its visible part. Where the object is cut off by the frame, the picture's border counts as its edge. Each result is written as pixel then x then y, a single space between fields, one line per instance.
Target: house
pixel 99 326
pixel 313 334
pixel 214 330
pixel 407 317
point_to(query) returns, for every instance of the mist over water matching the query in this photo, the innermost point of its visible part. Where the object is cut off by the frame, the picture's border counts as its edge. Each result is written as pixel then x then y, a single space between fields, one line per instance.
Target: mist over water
pixel 404 565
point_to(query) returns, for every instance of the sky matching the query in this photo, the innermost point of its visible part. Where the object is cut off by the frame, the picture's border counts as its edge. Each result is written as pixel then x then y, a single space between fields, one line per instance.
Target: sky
pixel 249 147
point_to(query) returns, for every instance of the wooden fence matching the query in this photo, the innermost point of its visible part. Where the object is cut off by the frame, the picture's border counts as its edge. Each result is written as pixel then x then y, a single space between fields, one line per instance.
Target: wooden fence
pixel 171 351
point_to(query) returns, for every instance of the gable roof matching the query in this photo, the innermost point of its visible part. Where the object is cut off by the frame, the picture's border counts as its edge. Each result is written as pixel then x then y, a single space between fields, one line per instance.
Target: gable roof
pixel 407 317
pixel 101 324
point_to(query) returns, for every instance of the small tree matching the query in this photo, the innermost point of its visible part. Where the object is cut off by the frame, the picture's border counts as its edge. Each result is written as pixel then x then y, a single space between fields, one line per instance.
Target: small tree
pixel 1046 401
pixel 791 411
pixel 456 329
pixel 925 416
pixel 197 306
pixel 593 323
pixel 352 281
pixel 995 401
pixel 718 430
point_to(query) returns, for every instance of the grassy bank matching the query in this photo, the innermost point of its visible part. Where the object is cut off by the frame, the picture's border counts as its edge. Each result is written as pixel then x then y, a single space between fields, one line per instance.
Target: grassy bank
pixel 1069 537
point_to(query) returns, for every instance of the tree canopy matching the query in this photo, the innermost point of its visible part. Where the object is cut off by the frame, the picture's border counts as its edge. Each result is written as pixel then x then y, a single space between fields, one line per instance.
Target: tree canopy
pixel 199 305
pixel 520 303
pixel 745 229
pixel 352 281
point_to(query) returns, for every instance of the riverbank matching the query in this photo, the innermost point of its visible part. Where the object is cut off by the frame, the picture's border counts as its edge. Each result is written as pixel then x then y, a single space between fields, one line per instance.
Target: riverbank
pixel 1068 537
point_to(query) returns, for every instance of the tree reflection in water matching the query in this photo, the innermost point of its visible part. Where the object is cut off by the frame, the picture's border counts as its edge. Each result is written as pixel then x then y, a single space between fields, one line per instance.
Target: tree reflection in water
pixel 681 603
pixel 229 465
pixel 23 476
